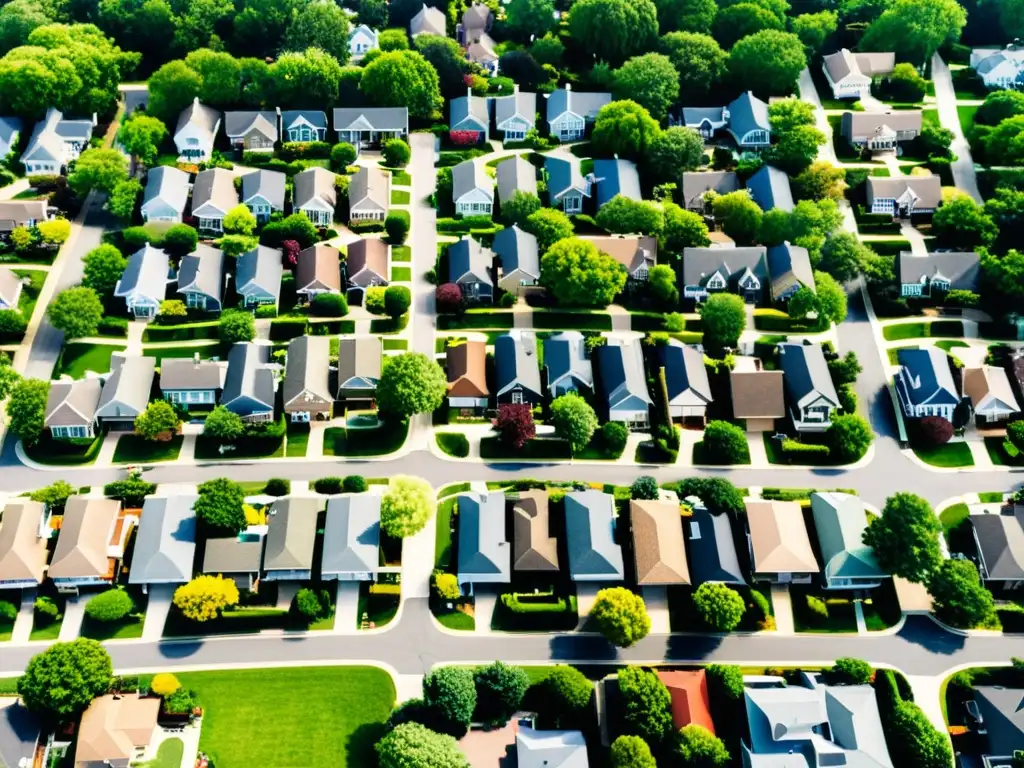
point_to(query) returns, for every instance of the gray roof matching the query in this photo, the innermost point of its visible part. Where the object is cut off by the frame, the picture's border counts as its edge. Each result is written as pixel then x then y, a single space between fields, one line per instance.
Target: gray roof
pixel 8 127
pixel 10 286
pixel 240 554
pixel 1000 540
pixel 146 274
pixel 467 176
pixel 807 377
pixel 428 21
pixel 963 270
pixel 468 257
pixel 72 403
pixel 747 113
pixel 20 730
pixel 697 183
pixel 476 108
pixel 267 184
pixel 840 521
pixel 313 183
pixel 200 115
pixel 370 185
pixel 47 140
pixel 248 374
pixel 712 554
pixel 616 177
pixel 517 249
pixel 590 535
pixel 582 103
pixel 203 271
pixel 515 175
pixel 352 534
pixel 516 363
pixel 519 104
pixel 928 369
pixel 693 117
pixel 564 174
pixel 126 391
pixel 291 533
pixel 262 267
pixel 214 187
pixel 165 545
pixel 359 357
pixel 240 124
pixel 483 548
pixel 16 213
pixel 1003 713
pixel 550 749
pixel 315 117
pixel 167 184
pixel 371 118
pixel 318 268
pixel 307 368
pixel 789 266
pixel 699 264
pixel 685 374
pixel 926 191
pixel 861 126
pixel 564 355
pixel 843 62
pixel 621 363
pixel 184 373
pixel 770 189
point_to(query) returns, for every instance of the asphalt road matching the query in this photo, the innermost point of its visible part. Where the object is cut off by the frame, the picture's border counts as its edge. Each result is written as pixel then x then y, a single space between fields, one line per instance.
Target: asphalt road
pixel 945 97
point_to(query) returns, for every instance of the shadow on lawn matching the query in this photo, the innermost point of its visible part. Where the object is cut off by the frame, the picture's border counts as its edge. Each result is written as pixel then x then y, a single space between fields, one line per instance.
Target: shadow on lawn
pixel 359 746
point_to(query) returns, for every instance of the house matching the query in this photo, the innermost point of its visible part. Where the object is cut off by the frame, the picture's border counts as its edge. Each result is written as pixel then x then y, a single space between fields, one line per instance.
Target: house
pixel 780 551
pixel 195 132
pixel 360 40
pixel 71 408
pixel 1002 713
pixel 237 558
pixel 250 383
pixel 705 120
pixel 90 544
pixel 517 368
pixel 144 282
pixel 476 20
pixel 519 255
pixel 810 393
pixel 840 521
pixel 484 555
pixel 306 391
pixel 568 367
pixel 126 391
pixel 999 67
pixel 258 276
pixel 469 267
pixel 116 730
pixel 924 383
pixel 213 195
pixel 317 270
pixel 658 547
pixel 472 190
pixel 352 537
pixel 616 177
pixel 10 132
pixel 743 271
pixel 263 193
pixel 569 112
pixel 250 131
pixel 689 692
pixel 428 21
pixel 548 749
pixel 770 189
pixel 24 531
pixel 467 379
pixel 165 545
pixel 201 278
pixel 698 184
pixel 636 253
pixel 369 194
pixel 21 732
pixel 903 196
pixel 165 195
pixel 534 549
pixel 360 359
pixel 187 382
pixel 515 175
pixel 621 364
pixel 315 195
pixel 10 289
pixel 757 395
pixel 850 74
pixel 999 538
pixel 367 262
pixel 790 270
pixel 304 125
pixel 749 123
pixel 482 51
pixel 55 142
pixel 367 126
pixel 22 213
pixel 567 187
pixel 590 537
pixel 990 392
pixel 515 115
pixel 686 380
pixel 936 274
pixel 713 555
pixel 881 131
pixel 470 114
pixel 291 534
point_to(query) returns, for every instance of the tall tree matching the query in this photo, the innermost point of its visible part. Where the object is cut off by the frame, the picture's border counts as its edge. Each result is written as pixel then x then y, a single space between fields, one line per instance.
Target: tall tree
pixel 320 24
pixel 449 60
pixel 673 152
pixel 651 81
pixel 410 383
pixel 26 409
pixel 961 600
pixel 76 312
pixel 624 128
pixel 402 79
pixel 578 274
pixel 768 62
pixel 646 704
pixel 530 19
pixel 738 21
pixel 700 61
pixel 141 136
pixel 412 745
pixel 621 616
pixel 406 506
pixel 221 74
pixel 101 169
pixel 915 29
pixel 614 30
pixel 906 537
pixel 171 89
pixel 686 15
pixel 61 682
pixel 220 507
pixel 104 266
pixel 296 78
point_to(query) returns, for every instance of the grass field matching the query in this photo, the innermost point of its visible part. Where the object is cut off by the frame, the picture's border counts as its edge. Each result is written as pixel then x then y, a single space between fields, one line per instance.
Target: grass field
pixel 205 352
pixel 401 253
pixel 443 532
pixel 132 448
pixel 399 344
pixel 401 179
pixel 401 274
pixel 966 115
pixel 922 330
pixel 77 358
pixel 400 197
pixel 950 455
pixel 30 291
pixel 129 627
pixel 339 441
pixel 297 441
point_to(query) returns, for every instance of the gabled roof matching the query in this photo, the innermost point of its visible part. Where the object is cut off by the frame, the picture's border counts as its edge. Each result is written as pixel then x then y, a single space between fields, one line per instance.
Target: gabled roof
pixel 359 357
pixel 184 373
pixel 550 749
pixel 468 176
pixel 23 553
pixel 564 175
pixel 318 267
pixel 1001 544
pixel 352 534
pixel 690 702
pixel 20 732
pixel 806 372
pixel 483 550
pixel 864 125
pixel 516 363
pixel 307 370
pixel 843 62
pixel 476 109
pixel 515 175
pixel 770 189
pixel 926 191
pixel 840 521
pixel 697 183
pixel 468 259
pixel 520 104
pixel 789 266
pixel 962 270
pixel 590 538
pixel 927 376
pixel 757 394
pixel 238 554
pixel 699 264
pixel 582 103
pixel 564 355
pixel 260 267
pixel 165 545
pixel 713 555
pixel 72 403
pixel 428 21
pixel 315 117
pixel 747 113
pixel 367 259
pixel 168 185
pixel 269 185
pixel 370 188
pixel 989 385
pixel 695 117
pixel 685 374
pixel 145 274
pixel 202 271
pixel 373 118
pixel 248 374
pixel 239 124
pixel 291 532
pixel 466 367
pixel 8 127
pixel 16 213
pixel 205 119
pixel 631 251
pixel 778 537
pixel 113 727
pixel 621 364
pixel 517 250
pixel 477 18
pixel 314 183
pixel 363 29
pixel 214 187
pixel 616 177
pixel 1003 713
pixel 534 548
pixel 82 543
pixel 127 389
pixel 10 286
pixel 47 140
pixel 658 543
pixel 481 49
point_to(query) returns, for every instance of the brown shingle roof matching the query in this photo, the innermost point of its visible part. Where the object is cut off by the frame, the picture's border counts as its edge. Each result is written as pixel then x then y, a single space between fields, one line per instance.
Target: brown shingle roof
pixel 22 553
pixel 370 254
pixel 658 543
pixel 757 394
pixel 319 267
pixel 690 702
pixel 778 537
pixel 84 535
pixel 534 549
pixel 113 726
pixel 467 375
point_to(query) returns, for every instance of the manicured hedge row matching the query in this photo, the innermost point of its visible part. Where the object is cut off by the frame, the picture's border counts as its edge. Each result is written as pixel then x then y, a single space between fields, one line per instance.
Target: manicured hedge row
pixel 543 602
pixel 154 333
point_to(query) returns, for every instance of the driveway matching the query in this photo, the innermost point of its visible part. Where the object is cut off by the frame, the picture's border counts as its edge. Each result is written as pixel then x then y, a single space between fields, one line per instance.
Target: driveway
pixel 656 601
pixel 945 98
pixel 485 597
pixel 346 608
pixel 160 597
pixel 74 613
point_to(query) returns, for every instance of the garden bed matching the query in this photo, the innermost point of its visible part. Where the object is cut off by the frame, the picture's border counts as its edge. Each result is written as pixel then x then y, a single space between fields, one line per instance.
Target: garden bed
pixel 132 449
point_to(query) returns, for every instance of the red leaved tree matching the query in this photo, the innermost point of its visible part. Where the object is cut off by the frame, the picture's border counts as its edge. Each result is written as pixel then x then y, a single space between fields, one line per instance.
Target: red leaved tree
pixel 934 430
pixel 290 252
pixel 515 424
pixel 465 138
pixel 448 298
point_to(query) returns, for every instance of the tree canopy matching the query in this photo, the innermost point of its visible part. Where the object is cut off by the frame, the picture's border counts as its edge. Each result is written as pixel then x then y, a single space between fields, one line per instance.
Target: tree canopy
pixel 915 29
pixel 960 598
pixel 699 60
pixel 768 62
pixel 578 274
pixel 219 507
pixel 651 81
pixel 625 129
pixel 614 30
pixel 402 79
pixel 906 537
pixel 621 616
pixel 62 681
pixel 76 312
pixel 574 420
pixel 410 383
pixel 646 704
pixel 411 745
pixel 406 506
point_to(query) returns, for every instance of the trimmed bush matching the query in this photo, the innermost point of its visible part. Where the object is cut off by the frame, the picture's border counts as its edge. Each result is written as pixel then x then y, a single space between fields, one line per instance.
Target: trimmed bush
pixel 297 150
pixel 615 436
pixel 454 444
pixel 795 449
pixel 112 605
pixel 327 485
pixel 817 607
pixel 397 226
pixel 761 606
pixel 46 611
pixel 354 484
pixel 534 602
pixel 8 611
pixel 328 305
pixel 306 605
pixel 278 486
pixel 164 684
pixel 396 152
pixel 342 156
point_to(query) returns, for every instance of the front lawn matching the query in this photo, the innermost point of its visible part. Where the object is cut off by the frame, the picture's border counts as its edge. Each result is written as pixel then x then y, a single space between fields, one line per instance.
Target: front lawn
pixel 952 516
pixel 129 627
pixel 997 452
pixel 205 352
pixel 132 449
pixel 922 330
pixel 401 179
pixel 947 344
pixel 77 357
pixel 401 253
pixel 401 274
pixel 443 532
pixel 400 197
pixel 378 607
pixel 30 290
pixel 950 455
pixel 538 449
pixel 208 448
pixel 817 612
pixel 456 620
pixel 296 440
pixel 966 115
pixel 64 452
pixel 168 755
pixel 453 444
pixel 379 441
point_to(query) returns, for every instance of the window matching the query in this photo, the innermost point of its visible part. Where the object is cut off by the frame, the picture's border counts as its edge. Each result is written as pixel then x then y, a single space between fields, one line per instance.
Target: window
pixel 517 398
pixel 192 142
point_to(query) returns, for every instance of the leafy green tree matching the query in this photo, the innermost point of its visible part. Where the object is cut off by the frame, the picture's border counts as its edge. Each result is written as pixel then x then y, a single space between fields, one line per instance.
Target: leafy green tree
pixel 195 29
pixel 500 689
pixel 320 25
pixel 236 326
pixel 780 8
pixel 623 128
pixel 574 420
pixel 411 383
pixel 913 741
pixel 529 19
pixel 843 256
pixel 406 506
pixel 179 240
pixel 121 202
pixel 740 216
pixel 1004 140
pixel 76 312
pixel 621 616
pixel 61 682
pixel 26 409
pixel 564 697
pixel 548 50
pixel 411 745
pixel 392 39
pixel 960 598
pixel 261 24
pixel 297 78
pixel 644 487
pixel 998 106
pixel 54 495
pixel 157 420
pixel 831 298
pixel 674 151
pixel 906 537
pixel 396 153
pixel 695 745
pixel 518 208
pixel 700 61
pixel 847 671
pixel 221 76
pixel 578 274
pixel 448 58
pixel 624 215
pixel 815 29
pixel 646 704
pixel 683 229
pixel 767 62
pixel 8 376
pixel 101 169
pixel 17 20
pixel 725 443
pixel 802 303
pixel 849 437
pixel 741 20
pixel 631 752
pixel 662 282
pixel 223 424
pixel 1006 209
pixel 104 266
pixel 724 316
pixel 548 226
pixel 796 149
pixel 686 15
pixel 112 605
pixel 141 136
pixel 719 606
pixel 402 79
pixel 219 507
pixel 725 681
pixel 915 29
pixel 614 30
pixel 451 691
pixel 819 181
pixel 651 81
pixel 1003 278
pixel 239 221
pixel 962 224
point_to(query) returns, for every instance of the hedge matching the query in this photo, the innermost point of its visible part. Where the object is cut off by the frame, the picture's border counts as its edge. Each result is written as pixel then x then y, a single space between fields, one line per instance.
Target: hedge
pixel 113 326
pixel 188 332
pixel 591 321
pixel 328 485
pixel 803 449
pixel 283 330
pixel 326 328
pixel 453 226
pixel 531 602
pixel 453 443
pixel 366 226
pixel 296 150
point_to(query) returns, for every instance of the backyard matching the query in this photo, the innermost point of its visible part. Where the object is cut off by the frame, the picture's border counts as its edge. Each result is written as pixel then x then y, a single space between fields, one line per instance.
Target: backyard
pixel 79 357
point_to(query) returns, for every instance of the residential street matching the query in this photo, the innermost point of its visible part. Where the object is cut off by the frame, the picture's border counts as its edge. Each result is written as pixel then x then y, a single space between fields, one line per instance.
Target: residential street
pixel 945 96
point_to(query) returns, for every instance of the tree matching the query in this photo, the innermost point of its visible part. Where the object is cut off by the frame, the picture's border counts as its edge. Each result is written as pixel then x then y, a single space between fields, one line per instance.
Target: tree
pixel 1006 209
pixel 787 114
pixel 960 598
pixel 847 671
pixel 402 79
pixel 141 136
pixel 223 424
pixel 614 30
pixel 814 30
pixel 322 25
pixel 933 431
pixel 101 169
pixel 296 78
pixel 662 281
pixel 396 153
pixel 623 128
pixel 220 507
pixel 686 16
pixel 548 226
pixel 17 20
pixel 578 274
pixel 695 745
pixel 522 69
pixel 719 607
pixel 121 202
pixel 446 56
pixel 1003 141
pixel 397 299
pixel 1015 434
pixel 802 303
pixel 26 409
pixel 158 421
pixel 845 370
pixel 548 50
pixel 906 537
pixel 741 20
pixel 740 216
pixel 515 424
pixel 700 61
pixel 796 149
pixel 651 81
pixel 406 506
pixel 239 221
pixel 683 229
pixel 8 376
pixel 519 207
pixel 448 298
pixel 819 181
pixel 724 316
pixel 962 224
pixel 452 692
pixel 999 106
pixel 644 487
pixel 624 215
pixel 849 437
pixel 411 745
pixel 725 443
pixel 915 29
pixel 61 682
pixel 57 231
pixel 725 681
pixel 500 689
pixel 831 298
pixel 574 420
pixel 112 605
pixel 913 741
pixel 646 704
pixel 410 383
pixel 565 694
pixel 343 155
pixel 179 240
pixel 76 312
pixel 236 326
pixel 621 616
pixel 529 19
pixel 843 256
pixel 103 267
pixel 767 62
pixel 631 752
pixel 674 151
pixel 203 598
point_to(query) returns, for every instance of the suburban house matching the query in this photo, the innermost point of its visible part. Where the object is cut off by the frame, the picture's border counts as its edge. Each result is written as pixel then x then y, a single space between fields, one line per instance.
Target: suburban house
pixel 780 551
pixel 881 131
pixel 810 394
pixel 213 195
pixel 534 549
pixel 482 50
pixel 517 368
pixel 686 380
pixel 258 276
pixel 251 131
pixel 688 690
pixel 195 132
pixel 705 120
pixel 515 115
pixel 291 534
pixel 590 537
pixel 616 177
pixel 924 383
pixel 567 187
pixel 467 380
pixel 758 396
pixel 713 555
pixel 237 558
pixel 658 547
pixel 476 20
pixel 470 114
pixel 366 126
pixel 314 195
pixel 519 255
pixel 263 193
pixel 201 278
pixel 116 730
pixel 360 40
pixel 937 274
pixel 636 253
pixel 165 195
pixel 538 749
pixel 126 391
pixel 840 521
pixel 359 365
pixel 24 531
pixel 306 391
pixel 366 263
pixel 317 270
pixel 770 189
pixel 188 382
pixel 251 383
pixel 369 194
pixel 991 394
pixel 621 363
pixel 469 267
pixel 71 408
pixel 790 270
pixel 748 122
pixel 904 196
pixel 165 545
pixel 90 543
pixel 484 555
pixel 55 142
pixel 351 537
pixel 144 282
pixel 472 190
pixel 743 271
pixel 10 289
pixel 10 132
pixel 999 67
pixel 569 112
pixel 303 125
pixel 697 185
pixel 22 213
pixel 1000 541
pixel 1001 710
pixel 428 21
pixel 850 74
pixel 568 367
pixel 515 175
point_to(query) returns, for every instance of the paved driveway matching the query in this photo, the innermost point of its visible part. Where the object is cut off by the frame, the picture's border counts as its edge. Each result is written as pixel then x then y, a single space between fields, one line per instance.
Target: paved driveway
pixel 945 98
pixel 346 608
pixel 656 600
pixel 74 613
pixel 160 597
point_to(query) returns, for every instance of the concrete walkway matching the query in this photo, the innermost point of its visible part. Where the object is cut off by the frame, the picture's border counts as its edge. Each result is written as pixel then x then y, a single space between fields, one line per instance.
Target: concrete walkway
pixel 926 695
pixel 656 600
pixel 160 597
pixel 26 614
pixel 346 608
pixel 964 175
pixel 586 594
pixel 858 614
pixel 74 614
pixel 782 605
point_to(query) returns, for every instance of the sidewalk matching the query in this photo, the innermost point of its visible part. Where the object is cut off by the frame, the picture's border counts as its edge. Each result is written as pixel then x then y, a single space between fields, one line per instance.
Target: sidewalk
pixel 26 615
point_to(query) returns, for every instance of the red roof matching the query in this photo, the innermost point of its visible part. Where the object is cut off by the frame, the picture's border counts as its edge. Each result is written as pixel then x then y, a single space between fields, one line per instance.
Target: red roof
pixel 689 691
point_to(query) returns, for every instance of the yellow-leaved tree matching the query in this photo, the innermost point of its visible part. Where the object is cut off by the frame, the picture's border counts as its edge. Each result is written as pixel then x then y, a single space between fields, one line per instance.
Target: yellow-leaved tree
pixel 205 597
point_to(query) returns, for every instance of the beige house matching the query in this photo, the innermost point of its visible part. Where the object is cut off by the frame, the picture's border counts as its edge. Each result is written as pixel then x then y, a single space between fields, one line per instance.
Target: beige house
pixel 467 377
pixel 317 270
pixel 658 546
pixel 991 393
pixel 116 731
pixel 91 543
pixel 780 549
pixel 758 396
pixel 24 531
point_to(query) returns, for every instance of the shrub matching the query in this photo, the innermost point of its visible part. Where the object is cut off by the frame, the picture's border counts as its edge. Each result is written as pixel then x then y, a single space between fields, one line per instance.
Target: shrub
pixel 277 486
pixel 396 152
pixel 934 430
pixel 397 299
pixel 817 607
pixel 448 298
pixel 847 671
pixel 761 606
pixel 644 487
pixel 306 605
pixel 181 702
pixel 164 684
pixel 112 605
pixel 446 585
pixel 397 226
pixel 295 150
pixel 795 449
pixel 373 301
pixel 454 444
pixel 342 156
pixel 725 443
pixel 534 602
pixel 46 611
pixel 615 436
pixel 328 305
pixel 8 611
pixel 354 484
pixel 327 485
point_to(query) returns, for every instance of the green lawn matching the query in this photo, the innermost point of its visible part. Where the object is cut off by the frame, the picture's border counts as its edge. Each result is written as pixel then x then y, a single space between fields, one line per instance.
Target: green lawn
pixel 443 534
pixel 77 358
pixel 129 627
pixel 966 115
pixel 297 441
pixel 6 630
pixel 207 449
pixel 399 344
pixel 168 755
pixel 922 330
pixel 378 441
pixel 133 449
pixel 401 179
pixel 456 620
pixel 841 613
pixel 30 291
pixel 401 253
pixel 998 454
pixel 949 455
pixel 63 452
pixel 401 274
pixel 205 351
pixel 952 516
pixel 400 197
pixel 49 632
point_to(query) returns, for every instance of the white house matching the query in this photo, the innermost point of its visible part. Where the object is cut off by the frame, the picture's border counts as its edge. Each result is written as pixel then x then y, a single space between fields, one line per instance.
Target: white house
pixel 850 74
pixel 195 132
pixel 924 383
pixel 570 111
pixel 315 196
pixel 472 190
pixel 165 195
pixel 999 68
pixel 55 142
pixel 144 282
pixel 361 40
